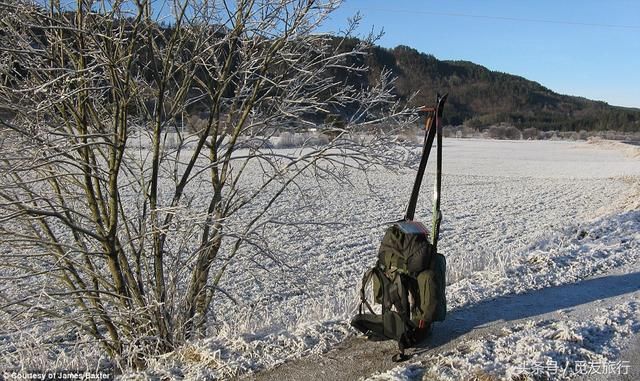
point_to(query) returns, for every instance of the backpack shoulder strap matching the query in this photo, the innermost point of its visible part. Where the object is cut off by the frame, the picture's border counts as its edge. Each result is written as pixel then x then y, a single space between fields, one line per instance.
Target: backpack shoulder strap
pixel 363 291
pixel 391 324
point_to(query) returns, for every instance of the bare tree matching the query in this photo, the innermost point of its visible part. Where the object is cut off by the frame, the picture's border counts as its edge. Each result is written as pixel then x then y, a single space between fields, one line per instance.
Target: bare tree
pixel 116 214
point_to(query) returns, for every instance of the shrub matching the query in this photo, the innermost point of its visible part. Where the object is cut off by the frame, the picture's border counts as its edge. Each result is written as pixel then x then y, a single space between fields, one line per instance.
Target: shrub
pixel 530 133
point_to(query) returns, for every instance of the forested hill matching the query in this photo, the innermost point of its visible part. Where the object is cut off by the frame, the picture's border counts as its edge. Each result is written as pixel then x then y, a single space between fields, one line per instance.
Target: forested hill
pixel 480 97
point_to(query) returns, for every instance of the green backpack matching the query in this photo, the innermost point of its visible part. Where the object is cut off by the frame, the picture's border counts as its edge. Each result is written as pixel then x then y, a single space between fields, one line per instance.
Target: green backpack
pixel 408 279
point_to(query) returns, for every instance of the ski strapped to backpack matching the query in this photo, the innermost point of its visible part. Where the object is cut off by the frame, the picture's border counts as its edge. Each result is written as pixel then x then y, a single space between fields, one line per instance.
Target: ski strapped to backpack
pixel 408 279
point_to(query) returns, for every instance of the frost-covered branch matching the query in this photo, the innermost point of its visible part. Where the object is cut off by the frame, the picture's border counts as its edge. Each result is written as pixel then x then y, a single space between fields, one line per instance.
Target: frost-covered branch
pixel 138 157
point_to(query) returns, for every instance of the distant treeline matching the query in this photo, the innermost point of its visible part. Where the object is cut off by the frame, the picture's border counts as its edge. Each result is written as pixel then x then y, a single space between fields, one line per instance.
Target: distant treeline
pixel 509 132
pixel 479 97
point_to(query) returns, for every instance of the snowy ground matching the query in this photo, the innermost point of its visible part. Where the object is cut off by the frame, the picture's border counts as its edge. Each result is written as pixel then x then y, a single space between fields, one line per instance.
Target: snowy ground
pixel 566 310
pixel 560 221
pixel 523 222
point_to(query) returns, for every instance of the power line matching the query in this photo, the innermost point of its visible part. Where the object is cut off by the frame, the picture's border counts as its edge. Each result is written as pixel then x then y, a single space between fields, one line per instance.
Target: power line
pixel 502 18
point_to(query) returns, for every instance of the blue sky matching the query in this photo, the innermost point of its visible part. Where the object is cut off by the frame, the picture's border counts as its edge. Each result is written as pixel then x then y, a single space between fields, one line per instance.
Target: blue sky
pixel 586 48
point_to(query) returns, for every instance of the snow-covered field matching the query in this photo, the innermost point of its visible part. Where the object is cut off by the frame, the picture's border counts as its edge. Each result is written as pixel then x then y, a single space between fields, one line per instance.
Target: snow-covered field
pixel 519 217
pixel 504 203
pixel 562 301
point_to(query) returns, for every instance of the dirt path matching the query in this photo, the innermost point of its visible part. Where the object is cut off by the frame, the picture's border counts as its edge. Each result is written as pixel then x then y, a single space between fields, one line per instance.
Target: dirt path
pixel 357 358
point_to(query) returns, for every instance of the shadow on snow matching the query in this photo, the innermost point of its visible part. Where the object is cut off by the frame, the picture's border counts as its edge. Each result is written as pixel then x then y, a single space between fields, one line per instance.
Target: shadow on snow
pixel 530 304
